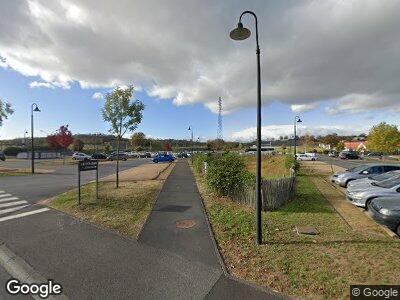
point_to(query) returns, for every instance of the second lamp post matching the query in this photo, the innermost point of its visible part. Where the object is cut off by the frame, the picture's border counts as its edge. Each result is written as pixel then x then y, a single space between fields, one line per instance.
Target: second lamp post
pixel 34 108
pixel 296 120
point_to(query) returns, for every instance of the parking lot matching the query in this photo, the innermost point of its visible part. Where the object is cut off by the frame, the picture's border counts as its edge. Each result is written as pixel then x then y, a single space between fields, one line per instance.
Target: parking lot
pixel 368 183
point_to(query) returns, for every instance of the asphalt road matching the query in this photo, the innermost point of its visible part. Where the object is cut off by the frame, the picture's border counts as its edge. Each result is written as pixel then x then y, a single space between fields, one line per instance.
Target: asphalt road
pixel 350 163
pixel 33 188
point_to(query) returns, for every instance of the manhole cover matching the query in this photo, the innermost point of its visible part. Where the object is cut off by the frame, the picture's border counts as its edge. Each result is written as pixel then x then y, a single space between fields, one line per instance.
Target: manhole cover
pixel 185 224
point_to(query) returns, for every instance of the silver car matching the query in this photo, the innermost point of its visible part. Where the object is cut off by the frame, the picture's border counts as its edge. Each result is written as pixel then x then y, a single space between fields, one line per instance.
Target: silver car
pixel 361 171
pixel 386 188
pixel 365 183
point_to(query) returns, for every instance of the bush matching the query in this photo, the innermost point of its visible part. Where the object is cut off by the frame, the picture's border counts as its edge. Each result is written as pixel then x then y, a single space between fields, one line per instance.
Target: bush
pixel 227 174
pixel 13 151
pixel 198 160
pixel 290 161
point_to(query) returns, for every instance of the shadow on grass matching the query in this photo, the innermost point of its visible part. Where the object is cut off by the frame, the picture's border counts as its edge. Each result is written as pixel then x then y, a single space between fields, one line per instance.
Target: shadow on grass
pixel 334 242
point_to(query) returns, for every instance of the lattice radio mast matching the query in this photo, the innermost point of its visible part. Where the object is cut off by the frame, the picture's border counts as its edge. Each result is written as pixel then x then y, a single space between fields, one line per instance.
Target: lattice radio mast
pixel 219 133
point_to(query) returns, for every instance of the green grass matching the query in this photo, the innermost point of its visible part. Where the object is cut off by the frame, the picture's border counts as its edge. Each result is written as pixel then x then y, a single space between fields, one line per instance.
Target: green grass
pixel 123 210
pixel 271 166
pixel 321 266
pixel 4 174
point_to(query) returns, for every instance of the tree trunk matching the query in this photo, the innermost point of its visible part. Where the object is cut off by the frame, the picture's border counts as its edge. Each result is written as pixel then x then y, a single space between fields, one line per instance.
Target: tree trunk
pixel 118 145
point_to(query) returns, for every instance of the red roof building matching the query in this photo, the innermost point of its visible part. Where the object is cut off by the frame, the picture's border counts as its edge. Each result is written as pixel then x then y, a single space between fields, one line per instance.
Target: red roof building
pixel 355 145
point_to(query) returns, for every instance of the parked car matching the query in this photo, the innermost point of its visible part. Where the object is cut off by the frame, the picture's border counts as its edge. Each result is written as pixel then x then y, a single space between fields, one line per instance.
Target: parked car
pixel 99 156
pixel 305 157
pixel 374 154
pixel 366 182
pixel 386 188
pixel 182 155
pixel 163 158
pixel 2 156
pixel 332 154
pixel 122 156
pixel 81 156
pixel 386 211
pixel 361 171
pixel 349 155
pixel 132 154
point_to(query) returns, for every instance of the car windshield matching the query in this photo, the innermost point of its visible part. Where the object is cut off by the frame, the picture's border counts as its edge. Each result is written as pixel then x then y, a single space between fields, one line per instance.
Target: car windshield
pixel 356 169
pixel 389 183
pixel 383 176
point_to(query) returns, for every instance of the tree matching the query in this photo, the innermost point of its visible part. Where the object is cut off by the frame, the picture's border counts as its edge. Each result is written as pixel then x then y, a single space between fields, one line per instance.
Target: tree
pixel 384 138
pixel 123 114
pixel 331 139
pixel 78 145
pixel 339 146
pixel 138 139
pixel 167 147
pixel 5 111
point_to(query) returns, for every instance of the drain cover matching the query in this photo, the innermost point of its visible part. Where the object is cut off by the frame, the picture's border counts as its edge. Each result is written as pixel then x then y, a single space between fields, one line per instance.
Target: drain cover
pixel 185 224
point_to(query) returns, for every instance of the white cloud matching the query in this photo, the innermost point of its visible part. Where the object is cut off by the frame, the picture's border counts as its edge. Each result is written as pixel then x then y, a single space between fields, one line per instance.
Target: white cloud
pixel 275 131
pixel 97 95
pixel 303 107
pixel 49 84
pixel 311 51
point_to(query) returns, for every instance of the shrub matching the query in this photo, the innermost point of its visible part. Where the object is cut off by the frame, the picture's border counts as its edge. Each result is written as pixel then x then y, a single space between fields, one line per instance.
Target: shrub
pixel 198 160
pixel 13 151
pixel 290 161
pixel 227 174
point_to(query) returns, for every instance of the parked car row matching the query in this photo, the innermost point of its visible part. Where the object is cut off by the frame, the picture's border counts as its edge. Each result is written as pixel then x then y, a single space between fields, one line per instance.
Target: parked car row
pixel 112 156
pixel 2 156
pixel 375 187
pixel 306 156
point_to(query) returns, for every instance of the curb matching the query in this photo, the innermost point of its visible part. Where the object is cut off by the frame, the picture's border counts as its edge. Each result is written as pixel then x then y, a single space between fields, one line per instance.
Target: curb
pixel 21 270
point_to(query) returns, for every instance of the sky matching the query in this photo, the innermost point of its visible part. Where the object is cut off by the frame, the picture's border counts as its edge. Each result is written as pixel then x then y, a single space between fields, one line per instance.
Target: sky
pixel 335 63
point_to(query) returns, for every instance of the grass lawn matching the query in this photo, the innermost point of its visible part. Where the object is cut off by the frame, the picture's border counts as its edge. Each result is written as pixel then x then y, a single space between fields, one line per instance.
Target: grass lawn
pixel 321 266
pixel 123 210
pixel 271 166
pixel 7 173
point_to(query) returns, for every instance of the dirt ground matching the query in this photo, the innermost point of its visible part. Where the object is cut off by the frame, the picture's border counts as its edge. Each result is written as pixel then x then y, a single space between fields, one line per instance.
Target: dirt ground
pixel 142 173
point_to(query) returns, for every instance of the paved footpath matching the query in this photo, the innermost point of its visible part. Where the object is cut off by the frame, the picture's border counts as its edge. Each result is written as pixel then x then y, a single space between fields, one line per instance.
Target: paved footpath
pixel 93 263
pixel 180 200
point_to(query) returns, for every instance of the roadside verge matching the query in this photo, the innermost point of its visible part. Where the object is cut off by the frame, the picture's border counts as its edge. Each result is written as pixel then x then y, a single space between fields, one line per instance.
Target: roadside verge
pixel 123 210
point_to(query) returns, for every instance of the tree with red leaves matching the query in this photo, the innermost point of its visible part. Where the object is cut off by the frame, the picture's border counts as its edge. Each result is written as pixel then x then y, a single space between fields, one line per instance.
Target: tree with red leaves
pixel 167 147
pixel 62 139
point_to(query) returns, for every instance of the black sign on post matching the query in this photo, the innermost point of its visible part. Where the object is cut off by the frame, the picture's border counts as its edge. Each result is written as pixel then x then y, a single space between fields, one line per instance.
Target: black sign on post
pixel 88 165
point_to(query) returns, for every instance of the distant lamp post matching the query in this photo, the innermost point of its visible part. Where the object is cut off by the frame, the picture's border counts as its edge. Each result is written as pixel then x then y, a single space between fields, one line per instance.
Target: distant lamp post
pixel 34 108
pixel 25 133
pixel 238 34
pixel 191 129
pixel 296 120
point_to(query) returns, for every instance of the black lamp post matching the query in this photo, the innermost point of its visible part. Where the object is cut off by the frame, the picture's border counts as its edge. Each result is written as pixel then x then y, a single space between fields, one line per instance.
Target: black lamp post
pixel 296 120
pixel 25 133
pixel 191 129
pixel 238 34
pixel 34 108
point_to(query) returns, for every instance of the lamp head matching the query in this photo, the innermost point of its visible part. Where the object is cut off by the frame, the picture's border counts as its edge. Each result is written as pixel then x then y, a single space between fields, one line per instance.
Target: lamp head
pixel 240 33
pixel 189 128
pixel 299 120
pixel 36 109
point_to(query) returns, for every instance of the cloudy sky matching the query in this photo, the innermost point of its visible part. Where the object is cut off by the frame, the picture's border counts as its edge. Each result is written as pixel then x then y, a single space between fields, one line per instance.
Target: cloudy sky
pixel 335 63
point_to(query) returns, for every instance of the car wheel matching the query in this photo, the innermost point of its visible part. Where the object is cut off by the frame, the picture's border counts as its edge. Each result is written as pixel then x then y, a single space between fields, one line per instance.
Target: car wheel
pixel 313 159
pixel 156 161
pixel 367 203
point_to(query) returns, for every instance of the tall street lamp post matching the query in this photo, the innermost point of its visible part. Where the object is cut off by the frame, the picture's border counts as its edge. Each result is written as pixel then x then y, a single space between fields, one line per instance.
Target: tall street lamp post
pixel 34 108
pixel 191 129
pixel 296 120
pixel 238 34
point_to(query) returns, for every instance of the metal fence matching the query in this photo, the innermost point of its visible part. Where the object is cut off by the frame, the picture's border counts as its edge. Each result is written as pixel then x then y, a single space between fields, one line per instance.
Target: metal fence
pixel 275 193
